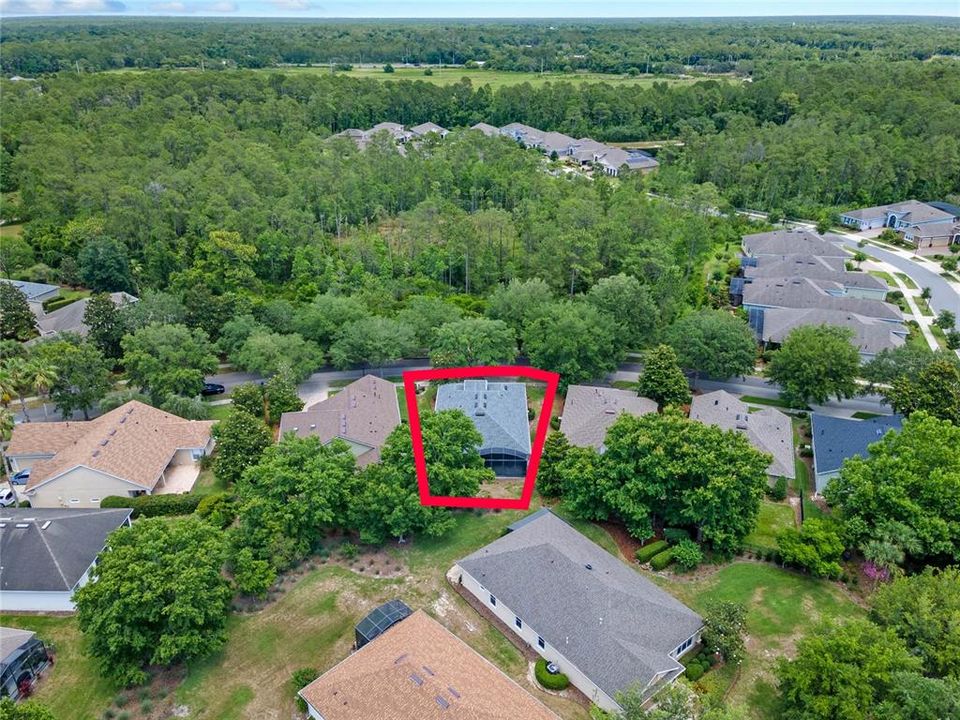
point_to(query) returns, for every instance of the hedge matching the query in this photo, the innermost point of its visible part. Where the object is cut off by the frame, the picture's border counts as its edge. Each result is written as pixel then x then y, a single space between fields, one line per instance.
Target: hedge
pixel 646 553
pixel 675 535
pixel 550 682
pixel 57 303
pixel 659 562
pixel 694 671
pixel 154 505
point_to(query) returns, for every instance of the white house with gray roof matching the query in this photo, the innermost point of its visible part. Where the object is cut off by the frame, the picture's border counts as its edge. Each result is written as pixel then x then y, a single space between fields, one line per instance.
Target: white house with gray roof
pixel 499 412
pixel 606 627
pixel 870 335
pixel 768 430
pixel 898 216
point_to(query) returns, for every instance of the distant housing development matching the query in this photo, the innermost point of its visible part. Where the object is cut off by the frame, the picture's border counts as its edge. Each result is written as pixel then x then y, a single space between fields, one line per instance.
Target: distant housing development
pixel 499 412
pixel 362 415
pixel 584 152
pixel 418 670
pixel 930 228
pixel 790 278
pixel 768 430
pixel 603 624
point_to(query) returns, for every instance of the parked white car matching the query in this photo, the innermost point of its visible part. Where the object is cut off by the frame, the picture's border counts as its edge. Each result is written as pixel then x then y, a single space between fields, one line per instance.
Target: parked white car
pixel 7 497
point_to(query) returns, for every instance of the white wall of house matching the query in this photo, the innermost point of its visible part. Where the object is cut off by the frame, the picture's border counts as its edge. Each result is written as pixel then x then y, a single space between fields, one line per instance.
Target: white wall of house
pixel 529 634
pixel 314 713
pixel 81 487
pixel 36 601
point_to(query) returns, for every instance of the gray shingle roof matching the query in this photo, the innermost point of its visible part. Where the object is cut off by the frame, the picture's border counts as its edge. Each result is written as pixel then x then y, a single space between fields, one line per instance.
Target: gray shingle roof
pixel 612 623
pixel 836 439
pixel 486 129
pixel 811 266
pixel 589 411
pixel 914 211
pixel 366 411
pixel 800 292
pixel 871 335
pixel 768 430
pixel 792 242
pixel 52 557
pixel 70 317
pixel 31 290
pixel 497 409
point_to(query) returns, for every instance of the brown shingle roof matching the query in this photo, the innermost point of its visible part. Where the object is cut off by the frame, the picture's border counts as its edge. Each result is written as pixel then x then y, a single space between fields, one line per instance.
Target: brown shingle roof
pixel 365 411
pixel 418 670
pixel 134 442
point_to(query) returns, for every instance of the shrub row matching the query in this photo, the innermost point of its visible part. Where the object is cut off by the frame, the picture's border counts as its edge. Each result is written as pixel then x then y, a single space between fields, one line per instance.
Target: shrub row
pixel 646 553
pixel 662 560
pixel 57 303
pixel 675 535
pixel 696 667
pixel 550 682
pixel 154 505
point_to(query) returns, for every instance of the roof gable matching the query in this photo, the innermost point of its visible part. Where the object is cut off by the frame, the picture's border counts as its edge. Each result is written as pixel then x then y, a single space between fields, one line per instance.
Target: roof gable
pixel 588 412
pixel 54 549
pixel 836 439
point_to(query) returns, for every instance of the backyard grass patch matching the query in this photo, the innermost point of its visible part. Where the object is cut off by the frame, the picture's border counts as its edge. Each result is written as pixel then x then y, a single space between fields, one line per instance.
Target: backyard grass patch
pixel 939 335
pixel 863 415
pixel 72 688
pixel 781 607
pixel 220 412
pixel 773 518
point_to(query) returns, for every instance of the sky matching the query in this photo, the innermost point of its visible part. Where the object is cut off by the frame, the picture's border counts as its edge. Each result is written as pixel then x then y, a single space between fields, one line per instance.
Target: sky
pixel 484 8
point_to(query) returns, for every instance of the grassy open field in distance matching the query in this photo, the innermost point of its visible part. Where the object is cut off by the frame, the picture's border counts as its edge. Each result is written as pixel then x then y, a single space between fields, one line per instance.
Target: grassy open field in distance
pixel 497 78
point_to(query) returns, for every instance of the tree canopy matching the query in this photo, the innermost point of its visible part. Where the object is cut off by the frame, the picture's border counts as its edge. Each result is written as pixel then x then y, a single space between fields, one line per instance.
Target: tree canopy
pixel 814 363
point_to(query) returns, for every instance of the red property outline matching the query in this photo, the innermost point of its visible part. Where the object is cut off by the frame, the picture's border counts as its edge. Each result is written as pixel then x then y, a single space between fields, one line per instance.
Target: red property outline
pixel 411 377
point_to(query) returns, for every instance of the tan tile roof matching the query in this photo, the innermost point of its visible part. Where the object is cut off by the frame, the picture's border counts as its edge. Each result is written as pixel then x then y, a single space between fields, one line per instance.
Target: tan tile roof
pixel 418 670
pixel 45 438
pixel 365 411
pixel 134 442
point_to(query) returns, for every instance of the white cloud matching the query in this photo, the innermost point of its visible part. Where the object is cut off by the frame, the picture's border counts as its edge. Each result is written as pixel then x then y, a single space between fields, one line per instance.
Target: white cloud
pixel 223 6
pixel 295 5
pixel 173 7
pixel 60 7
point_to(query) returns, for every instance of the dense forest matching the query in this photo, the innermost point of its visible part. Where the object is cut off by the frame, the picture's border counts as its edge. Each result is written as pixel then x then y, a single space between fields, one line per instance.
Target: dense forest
pixel 40 46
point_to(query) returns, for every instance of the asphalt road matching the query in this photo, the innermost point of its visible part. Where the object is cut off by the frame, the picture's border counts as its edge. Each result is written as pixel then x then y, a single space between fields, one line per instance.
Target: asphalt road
pixel 318 383
pixel 942 294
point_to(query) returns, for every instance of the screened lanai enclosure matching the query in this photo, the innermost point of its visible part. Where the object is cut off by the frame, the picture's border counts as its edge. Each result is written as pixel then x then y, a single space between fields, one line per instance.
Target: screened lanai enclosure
pixel 379 620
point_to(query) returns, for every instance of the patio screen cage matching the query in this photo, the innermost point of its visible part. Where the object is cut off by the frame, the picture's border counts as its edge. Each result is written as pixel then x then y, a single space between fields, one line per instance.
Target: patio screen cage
pixel 379 620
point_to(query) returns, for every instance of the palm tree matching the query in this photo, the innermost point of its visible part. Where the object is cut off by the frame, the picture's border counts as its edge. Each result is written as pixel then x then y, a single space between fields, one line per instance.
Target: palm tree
pixel 18 383
pixel 7 389
pixel 6 424
pixel 41 375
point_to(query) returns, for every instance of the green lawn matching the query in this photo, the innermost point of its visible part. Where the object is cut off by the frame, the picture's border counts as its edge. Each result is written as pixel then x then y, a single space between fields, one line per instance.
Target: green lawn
pixel 885 276
pixel 773 518
pixel 939 335
pixel 924 306
pixel 907 280
pixel 402 401
pixel 776 402
pixel 862 415
pixel 781 607
pixel 220 412
pixel 73 688
pixel 494 78
pixel 624 385
pixel 11 231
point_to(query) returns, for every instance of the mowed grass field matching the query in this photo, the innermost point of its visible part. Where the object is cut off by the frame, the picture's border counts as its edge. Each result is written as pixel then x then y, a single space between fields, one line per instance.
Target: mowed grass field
pixel 497 78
